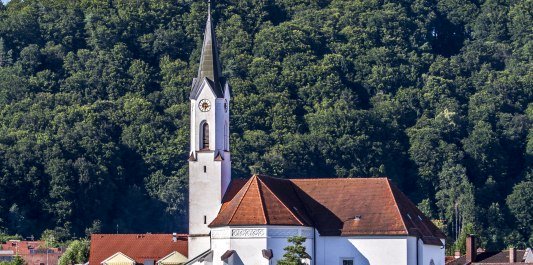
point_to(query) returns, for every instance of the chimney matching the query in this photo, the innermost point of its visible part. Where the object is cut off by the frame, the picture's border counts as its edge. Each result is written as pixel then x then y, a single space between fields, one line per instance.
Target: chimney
pixel 471 250
pixel 512 255
pixel 174 237
pixel 457 254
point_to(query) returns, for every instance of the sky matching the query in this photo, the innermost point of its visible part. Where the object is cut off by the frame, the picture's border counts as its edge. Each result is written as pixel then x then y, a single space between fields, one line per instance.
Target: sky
pixel 5 1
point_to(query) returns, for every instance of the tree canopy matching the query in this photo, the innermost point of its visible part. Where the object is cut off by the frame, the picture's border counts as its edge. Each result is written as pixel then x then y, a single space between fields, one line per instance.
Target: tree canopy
pixel 435 94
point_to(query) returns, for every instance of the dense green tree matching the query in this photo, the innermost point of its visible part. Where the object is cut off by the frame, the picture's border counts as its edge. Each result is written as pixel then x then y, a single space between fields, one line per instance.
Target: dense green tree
pixel 434 94
pixel 519 203
pixel 294 253
pixel 77 252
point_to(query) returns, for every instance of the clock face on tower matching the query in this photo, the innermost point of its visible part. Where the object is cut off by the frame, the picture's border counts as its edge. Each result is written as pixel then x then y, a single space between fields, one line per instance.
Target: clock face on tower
pixel 204 105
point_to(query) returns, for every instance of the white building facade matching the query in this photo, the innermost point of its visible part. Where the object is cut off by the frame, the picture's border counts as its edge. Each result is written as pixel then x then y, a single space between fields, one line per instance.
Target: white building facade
pixel 344 221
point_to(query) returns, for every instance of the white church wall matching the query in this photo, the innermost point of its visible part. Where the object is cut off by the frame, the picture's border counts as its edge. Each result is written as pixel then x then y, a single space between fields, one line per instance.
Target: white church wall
pixel 412 254
pixel 364 250
pixel 248 251
pixel 431 253
pixel 248 243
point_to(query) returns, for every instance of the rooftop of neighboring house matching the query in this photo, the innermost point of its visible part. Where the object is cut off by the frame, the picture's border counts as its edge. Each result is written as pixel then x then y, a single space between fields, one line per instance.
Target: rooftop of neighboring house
pixel 492 258
pixel 22 247
pixel 137 248
pixel 479 257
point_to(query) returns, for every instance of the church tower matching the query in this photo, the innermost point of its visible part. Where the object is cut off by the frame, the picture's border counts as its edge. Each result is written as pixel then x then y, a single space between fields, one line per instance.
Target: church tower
pixel 209 160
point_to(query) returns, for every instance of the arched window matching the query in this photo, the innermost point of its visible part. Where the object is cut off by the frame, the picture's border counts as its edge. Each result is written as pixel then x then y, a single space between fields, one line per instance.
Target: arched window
pixel 205 136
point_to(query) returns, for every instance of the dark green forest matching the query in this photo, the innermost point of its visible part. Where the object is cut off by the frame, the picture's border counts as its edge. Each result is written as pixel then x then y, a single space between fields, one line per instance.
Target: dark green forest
pixel 434 94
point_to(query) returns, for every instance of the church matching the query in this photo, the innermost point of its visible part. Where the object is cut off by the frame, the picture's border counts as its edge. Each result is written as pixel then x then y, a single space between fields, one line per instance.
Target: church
pixel 345 221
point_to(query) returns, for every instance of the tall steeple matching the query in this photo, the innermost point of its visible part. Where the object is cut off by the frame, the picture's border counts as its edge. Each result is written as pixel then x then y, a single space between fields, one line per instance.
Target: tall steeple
pixel 210 158
pixel 210 66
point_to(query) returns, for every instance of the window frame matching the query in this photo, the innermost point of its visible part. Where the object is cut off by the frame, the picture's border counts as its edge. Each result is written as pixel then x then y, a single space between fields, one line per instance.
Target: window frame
pixel 204 135
pixel 342 259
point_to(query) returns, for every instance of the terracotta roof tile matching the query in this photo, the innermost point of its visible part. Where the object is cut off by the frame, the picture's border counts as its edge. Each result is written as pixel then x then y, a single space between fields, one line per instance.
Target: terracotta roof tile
pixel 416 222
pixel 265 201
pixel 336 207
pixel 26 247
pixel 136 246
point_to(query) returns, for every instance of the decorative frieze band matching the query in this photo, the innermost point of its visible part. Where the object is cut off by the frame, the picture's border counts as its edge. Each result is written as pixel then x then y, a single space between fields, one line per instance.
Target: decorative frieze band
pixel 248 232
pixel 261 232
pixel 226 233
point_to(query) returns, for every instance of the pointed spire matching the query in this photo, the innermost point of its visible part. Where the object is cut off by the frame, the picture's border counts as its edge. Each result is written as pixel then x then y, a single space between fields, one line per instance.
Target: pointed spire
pixel 210 67
pixel 209 62
pixel 209 10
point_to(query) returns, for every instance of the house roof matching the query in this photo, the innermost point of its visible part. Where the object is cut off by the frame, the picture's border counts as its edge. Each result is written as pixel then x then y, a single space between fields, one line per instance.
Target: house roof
pixel 22 247
pixel 491 258
pixel 336 207
pixel 136 246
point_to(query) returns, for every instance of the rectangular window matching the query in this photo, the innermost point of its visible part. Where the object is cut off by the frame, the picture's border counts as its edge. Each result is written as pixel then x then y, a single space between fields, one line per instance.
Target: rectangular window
pixel 205 220
pixel 205 169
pixel 347 261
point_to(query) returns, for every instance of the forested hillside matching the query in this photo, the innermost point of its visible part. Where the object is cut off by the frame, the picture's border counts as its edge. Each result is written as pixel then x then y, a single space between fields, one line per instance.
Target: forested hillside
pixel 434 94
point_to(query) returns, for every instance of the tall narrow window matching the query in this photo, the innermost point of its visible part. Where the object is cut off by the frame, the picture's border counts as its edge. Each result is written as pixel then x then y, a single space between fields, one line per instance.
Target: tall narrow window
pixel 205 136
pixel 226 139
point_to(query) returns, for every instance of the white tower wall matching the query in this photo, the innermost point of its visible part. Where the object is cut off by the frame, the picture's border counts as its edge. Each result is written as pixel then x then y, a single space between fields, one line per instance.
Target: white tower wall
pixel 209 169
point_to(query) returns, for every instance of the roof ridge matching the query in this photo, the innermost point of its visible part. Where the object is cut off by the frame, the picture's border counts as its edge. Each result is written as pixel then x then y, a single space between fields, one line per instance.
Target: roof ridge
pixel 304 205
pixel 282 203
pixel 225 198
pixel 337 178
pixel 262 201
pixel 396 205
pixel 249 183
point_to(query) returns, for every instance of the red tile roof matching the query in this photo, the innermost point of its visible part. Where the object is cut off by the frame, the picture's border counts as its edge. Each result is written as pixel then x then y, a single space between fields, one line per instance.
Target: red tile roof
pixel 265 201
pixel 336 207
pixel 33 252
pixel 25 247
pixel 136 246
